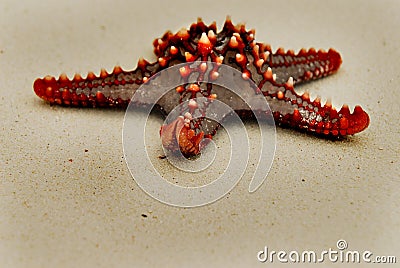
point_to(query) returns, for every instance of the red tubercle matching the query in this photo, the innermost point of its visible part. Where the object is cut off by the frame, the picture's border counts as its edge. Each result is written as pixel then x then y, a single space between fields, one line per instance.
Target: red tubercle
pixel 296 117
pixel 204 45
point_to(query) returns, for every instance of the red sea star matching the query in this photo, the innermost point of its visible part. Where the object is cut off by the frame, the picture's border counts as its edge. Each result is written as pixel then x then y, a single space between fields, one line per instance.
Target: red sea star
pixel 275 74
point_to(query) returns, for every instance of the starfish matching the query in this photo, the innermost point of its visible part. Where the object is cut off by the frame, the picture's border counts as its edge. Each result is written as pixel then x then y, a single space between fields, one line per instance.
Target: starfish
pixel 274 73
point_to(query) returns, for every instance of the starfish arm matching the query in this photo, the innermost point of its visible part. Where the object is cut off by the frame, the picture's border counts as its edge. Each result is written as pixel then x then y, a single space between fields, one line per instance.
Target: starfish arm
pixel 304 66
pixel 293 110
pixel 106 90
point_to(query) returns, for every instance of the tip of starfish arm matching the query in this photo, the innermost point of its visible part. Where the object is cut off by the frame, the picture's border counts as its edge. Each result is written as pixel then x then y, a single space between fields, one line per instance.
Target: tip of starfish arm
pixel 44 88
pixel 176 136
pixel 359 120
pixel 335 59
pixel 38 87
